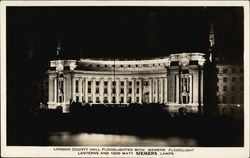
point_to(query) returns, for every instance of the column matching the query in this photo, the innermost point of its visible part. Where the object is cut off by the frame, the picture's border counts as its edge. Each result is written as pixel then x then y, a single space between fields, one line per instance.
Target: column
pixel 73 89
pixel 150 90
pixel 101 89
pixel 133 90
pixel 157 90
pixel 177 89
pixel 83 90
pixel 86 90
pixel 117 91
pixel 162 90
pixel 165 90
pixel 141 91
pixel 110 90
pixel 80 90
pixel 190 89
pixel 51 89
pixel 93 90
pixel 195 86
pixel 125 90
pixel 64 88
pixel 55 90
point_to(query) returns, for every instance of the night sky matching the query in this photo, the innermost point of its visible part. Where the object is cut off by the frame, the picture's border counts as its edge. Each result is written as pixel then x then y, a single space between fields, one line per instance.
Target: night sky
pixel 113 32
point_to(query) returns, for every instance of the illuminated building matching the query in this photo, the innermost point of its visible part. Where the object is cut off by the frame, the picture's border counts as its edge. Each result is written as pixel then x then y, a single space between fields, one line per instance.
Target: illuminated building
pixel 172 81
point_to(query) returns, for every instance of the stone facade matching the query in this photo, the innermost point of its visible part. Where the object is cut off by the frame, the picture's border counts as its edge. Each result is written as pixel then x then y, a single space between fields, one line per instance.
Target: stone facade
pixel 175 81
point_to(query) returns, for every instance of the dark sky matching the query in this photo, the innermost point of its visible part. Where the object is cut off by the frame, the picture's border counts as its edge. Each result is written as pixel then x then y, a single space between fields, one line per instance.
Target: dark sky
pixel 117 32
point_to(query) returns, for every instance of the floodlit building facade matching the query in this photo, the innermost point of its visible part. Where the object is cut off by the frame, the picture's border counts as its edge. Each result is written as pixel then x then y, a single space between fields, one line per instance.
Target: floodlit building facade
pixel 230 85
pixel 175 81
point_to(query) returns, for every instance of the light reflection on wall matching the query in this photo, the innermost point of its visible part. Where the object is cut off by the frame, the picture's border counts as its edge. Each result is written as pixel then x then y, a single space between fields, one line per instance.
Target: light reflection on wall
pixel 91 139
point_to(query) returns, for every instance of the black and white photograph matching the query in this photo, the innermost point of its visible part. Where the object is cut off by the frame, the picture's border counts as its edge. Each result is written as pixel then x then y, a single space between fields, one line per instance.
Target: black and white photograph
pixel 125 76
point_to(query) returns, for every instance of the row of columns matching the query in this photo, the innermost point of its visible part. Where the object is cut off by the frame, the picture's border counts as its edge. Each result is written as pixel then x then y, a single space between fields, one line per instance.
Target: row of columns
pixel 156 90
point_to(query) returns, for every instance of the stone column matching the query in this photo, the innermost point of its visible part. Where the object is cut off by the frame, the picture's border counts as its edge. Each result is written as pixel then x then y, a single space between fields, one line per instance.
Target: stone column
pixel 80 90
pixel 141 91
pixel 162 90
pixel 157 90
pixel 86 90
pixel 101 89
pixel 117 91
pixel 177 89
pixel 165 90
pixel 83 90
pixel 190 89
pixel 51 89
pixel 93 90
pixel 133 90
pixel 64 88
pixel 73 89
pixel 150 90
pixel 125 90
pixel 195 87
pixel 55 90
pixel 110 90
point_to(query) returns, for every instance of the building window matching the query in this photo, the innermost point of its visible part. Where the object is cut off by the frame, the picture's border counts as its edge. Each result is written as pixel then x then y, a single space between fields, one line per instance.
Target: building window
pixel 97 83
pixel 122 100
pixel 105 83
pixel 89 83
pixel 138 83
pixel 224 88
pixel 97 100
pixel 224 70
pixel 83 99
pixel 113 90
pixel 113 83
pixel 105 100
pixel 113 99
pixel 137 90
pixel 97 90
pixel 130 83
pixel 122 90
pixel 129 99
pixel 146 83
pixel 89 90
pixel 61 88
pixel 233 79
pixel 224 79
pixel 137 99
pixel 122 83
pixel 130 90
pixel 77 99
pixel 105 90
pixel 77 86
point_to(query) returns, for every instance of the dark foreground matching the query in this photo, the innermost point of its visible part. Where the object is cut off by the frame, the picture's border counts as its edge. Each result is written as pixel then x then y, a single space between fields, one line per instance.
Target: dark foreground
pixel 152 127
